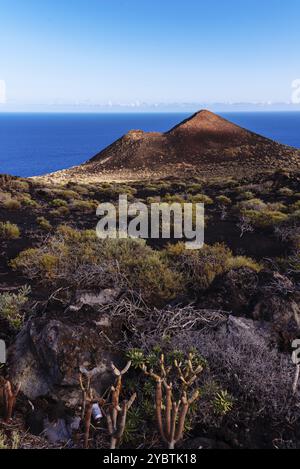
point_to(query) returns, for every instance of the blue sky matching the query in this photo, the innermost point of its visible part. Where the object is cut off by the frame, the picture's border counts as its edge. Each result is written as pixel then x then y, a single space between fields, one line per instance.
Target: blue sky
pixel 123 51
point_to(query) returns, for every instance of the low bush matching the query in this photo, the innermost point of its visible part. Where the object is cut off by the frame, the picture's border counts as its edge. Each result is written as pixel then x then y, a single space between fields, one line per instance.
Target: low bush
pixel 178 186
pixel 79 189
pixel 295 216
pixel 201 199
pixel 286 192
pixel 257 376
pixel 194 188
pixel 9 231
pixel 174 199
pixel 265 218
pixel 80 259
pixel 239 262
pixel 277 207
pixel 44 224
pixel 27 201
pixel 223 200
pixel 60 212
pixel 296 206
pixel 246 195
pixel 201 267
pixel 59 203
pixel 67 194
pixel 86 206
pixel 11 305
pixel 11 204
pixel 252 204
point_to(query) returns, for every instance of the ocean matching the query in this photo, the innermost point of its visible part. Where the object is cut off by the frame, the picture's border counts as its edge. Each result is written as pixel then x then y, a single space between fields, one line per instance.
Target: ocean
pixel 36 144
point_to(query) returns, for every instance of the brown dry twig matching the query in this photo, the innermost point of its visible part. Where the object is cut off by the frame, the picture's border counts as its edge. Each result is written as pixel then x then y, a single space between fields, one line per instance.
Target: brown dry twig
pixel 10 394
pixel 88 399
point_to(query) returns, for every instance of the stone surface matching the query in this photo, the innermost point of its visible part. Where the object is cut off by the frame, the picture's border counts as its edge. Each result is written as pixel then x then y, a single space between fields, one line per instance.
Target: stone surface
pixel 92 299
pixel 48 353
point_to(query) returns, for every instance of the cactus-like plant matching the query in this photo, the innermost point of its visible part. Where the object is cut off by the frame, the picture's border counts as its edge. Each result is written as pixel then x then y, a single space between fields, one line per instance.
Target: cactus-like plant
pixel 171 414
pixel 116 412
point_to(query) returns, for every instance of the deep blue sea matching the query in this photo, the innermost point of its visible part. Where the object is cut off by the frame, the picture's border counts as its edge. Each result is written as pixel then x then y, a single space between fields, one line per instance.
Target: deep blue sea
pixel 35 144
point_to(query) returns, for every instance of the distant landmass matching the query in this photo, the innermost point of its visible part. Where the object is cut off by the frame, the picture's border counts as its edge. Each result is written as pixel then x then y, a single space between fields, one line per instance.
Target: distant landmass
pixel 204 144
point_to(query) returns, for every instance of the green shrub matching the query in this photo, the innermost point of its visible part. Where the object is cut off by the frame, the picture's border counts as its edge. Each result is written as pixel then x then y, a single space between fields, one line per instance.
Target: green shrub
pixel 11 305
pixel 86 206
pixel 37 264
pixel 239 262
pixel 44 224
pixel 80 259
pixel 223 403
pixel 27 201
pixel 9 231
pixel 3 441
pixel 59 203
pixel 246 195
pixel 178 186
pixel 201 267
pixel 296 206
pixel 252 204
pixel 286 192
pixel 173 199
pixel 201 199
pixel 295 216
pixel 11 204
pixel 277 207
pixel 79 189
pixel 223 200
pixel 66 194
pixel 153 200
pixel 60 212
pixel 194 188
pixel 265 218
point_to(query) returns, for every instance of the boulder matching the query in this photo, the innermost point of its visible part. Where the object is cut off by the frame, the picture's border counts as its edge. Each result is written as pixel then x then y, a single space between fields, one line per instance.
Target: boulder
pixel 279 303
pixel 94 300
pixel 48 353
pixel 247 329
pixel 267 297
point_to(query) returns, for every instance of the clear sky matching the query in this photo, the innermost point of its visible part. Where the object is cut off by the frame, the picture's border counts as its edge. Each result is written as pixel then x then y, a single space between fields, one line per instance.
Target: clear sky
pixel 97 51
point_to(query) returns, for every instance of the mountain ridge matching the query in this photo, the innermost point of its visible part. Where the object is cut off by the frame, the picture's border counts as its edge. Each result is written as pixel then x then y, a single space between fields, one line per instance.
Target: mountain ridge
pixel 203 144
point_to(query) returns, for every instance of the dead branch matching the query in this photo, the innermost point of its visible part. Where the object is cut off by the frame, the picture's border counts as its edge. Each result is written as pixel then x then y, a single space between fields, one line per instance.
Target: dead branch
pixel 88 399
pixel 10 394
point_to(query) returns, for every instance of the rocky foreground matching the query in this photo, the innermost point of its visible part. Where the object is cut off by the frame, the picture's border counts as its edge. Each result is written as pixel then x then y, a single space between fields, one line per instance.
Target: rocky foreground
pixel 74 310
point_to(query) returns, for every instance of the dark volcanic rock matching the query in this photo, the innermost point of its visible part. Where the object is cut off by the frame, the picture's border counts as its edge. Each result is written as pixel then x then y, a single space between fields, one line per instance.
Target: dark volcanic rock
pixel 47 355
pixel 268 297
